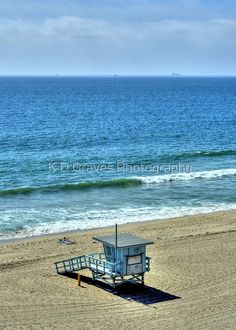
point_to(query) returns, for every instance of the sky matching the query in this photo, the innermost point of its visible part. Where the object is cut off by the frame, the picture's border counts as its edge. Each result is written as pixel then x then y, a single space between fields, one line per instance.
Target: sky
pixel 126 37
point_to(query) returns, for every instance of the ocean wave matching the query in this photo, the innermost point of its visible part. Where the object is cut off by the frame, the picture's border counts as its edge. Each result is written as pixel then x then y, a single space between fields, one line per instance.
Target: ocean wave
pixel 155 179
pixel 169 158
pixel 122 182
pixel 210 153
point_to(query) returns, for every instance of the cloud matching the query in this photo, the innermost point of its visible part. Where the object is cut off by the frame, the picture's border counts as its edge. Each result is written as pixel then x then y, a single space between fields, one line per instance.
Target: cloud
pixel 75 28
pixel 86 45
pixel 119 10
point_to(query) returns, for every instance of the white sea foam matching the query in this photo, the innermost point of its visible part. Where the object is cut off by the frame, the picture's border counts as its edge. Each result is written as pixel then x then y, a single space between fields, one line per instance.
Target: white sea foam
pixel 98 218
pixel 155 179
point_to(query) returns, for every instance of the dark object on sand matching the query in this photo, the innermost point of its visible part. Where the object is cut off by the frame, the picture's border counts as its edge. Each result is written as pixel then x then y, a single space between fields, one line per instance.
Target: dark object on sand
pixel 66 240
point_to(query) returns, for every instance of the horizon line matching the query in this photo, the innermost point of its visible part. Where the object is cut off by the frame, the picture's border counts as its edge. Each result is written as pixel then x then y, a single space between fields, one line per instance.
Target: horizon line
pixel 58 75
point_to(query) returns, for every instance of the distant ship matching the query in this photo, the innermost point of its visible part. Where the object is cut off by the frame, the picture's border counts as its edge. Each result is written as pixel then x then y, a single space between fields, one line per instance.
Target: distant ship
pixel 175 74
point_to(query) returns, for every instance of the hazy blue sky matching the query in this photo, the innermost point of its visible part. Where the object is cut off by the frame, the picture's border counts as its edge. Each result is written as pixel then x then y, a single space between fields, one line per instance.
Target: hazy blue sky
pixel 117 36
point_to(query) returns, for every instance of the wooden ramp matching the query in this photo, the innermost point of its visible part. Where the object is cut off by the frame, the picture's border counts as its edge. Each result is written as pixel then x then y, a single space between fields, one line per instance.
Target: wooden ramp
pixel 70 265
pixel 95 262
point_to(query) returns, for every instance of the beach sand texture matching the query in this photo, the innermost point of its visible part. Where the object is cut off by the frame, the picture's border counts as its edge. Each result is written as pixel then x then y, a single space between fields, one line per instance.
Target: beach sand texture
pixel 191 285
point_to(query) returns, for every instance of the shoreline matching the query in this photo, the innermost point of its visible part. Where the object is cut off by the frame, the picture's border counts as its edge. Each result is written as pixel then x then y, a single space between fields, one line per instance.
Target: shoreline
pixel 77 231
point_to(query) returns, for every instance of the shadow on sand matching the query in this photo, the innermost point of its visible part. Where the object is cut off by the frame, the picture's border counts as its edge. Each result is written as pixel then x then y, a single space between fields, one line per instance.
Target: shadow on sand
pixel 132 292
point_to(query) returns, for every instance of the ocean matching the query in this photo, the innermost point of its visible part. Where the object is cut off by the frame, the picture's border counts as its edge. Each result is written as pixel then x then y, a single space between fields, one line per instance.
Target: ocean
pixel 84 152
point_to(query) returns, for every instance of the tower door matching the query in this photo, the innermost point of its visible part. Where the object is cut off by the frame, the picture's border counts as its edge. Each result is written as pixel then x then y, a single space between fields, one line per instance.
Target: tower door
pixel 134 264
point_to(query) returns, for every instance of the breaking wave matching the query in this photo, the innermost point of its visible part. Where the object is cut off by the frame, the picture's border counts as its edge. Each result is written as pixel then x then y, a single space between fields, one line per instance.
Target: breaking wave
pixel 187 176
pixel 122 182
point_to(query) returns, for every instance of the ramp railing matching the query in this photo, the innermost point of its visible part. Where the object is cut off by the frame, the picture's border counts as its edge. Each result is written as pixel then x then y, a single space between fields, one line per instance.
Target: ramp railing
pixel 95 262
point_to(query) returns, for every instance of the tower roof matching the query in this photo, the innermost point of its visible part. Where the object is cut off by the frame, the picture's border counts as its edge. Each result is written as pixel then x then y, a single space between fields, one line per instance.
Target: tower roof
pixel 123 240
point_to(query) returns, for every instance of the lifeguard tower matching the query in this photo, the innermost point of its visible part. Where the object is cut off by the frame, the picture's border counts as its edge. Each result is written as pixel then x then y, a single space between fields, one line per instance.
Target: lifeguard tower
pixel 124 260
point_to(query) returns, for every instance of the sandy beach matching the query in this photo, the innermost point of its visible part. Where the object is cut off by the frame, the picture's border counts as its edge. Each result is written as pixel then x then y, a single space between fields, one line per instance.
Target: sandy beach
pixel 191 285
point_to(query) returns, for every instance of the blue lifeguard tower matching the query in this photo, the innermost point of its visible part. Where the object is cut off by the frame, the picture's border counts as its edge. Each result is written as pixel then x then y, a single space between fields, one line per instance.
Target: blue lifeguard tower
pixel 124 260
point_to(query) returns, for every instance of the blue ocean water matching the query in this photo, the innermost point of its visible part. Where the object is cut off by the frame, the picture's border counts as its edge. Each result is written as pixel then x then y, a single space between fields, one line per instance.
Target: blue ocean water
pixel 86 152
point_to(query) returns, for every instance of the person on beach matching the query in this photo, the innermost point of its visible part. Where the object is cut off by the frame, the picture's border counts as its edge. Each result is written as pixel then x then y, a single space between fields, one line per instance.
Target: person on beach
pixel 66 240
